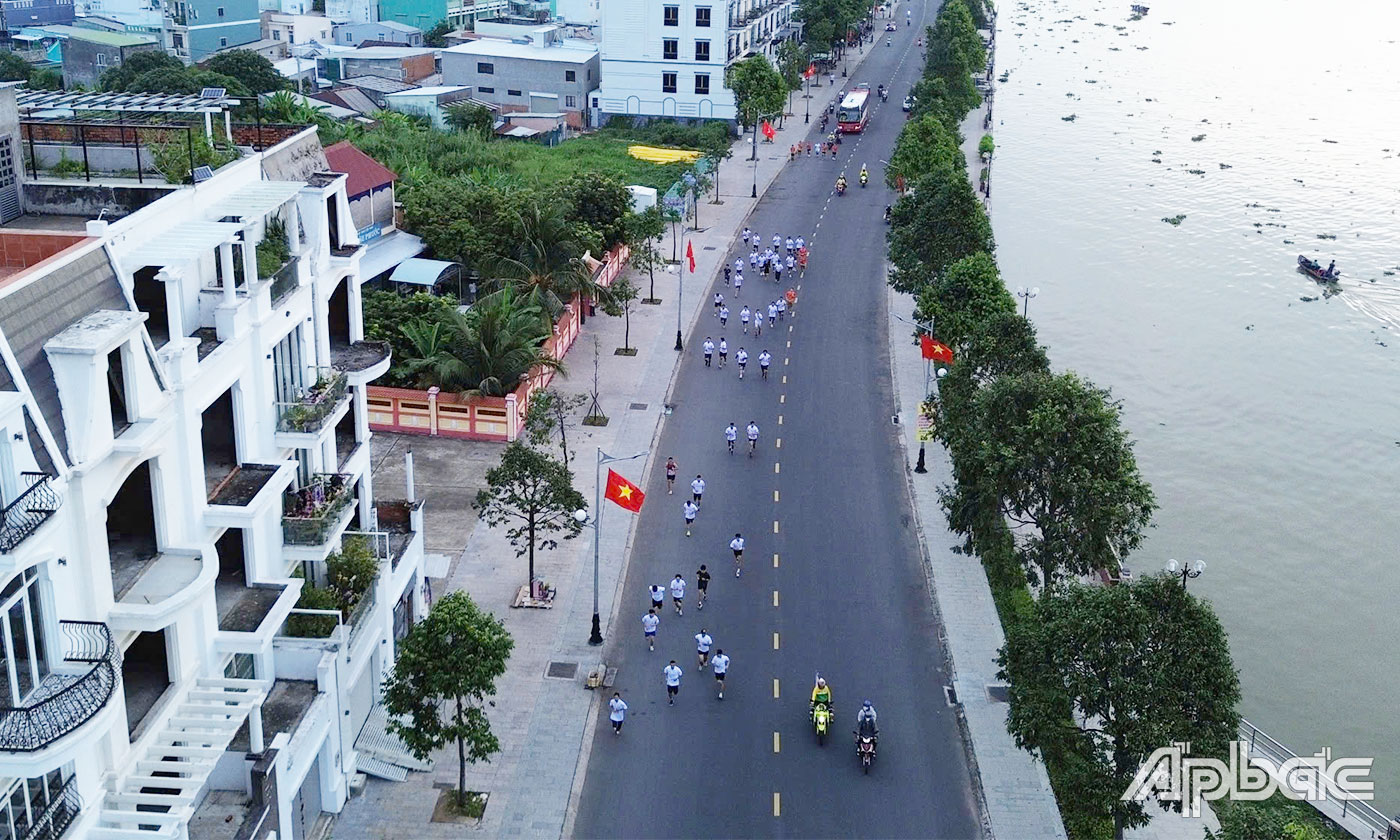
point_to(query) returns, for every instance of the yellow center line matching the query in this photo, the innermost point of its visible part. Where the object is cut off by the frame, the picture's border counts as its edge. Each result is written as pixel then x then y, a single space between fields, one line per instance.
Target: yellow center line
pixel 777 804
pixel 775 597
pixel 776 692
pixel 775 641
pixel 777 743
pixel 775 561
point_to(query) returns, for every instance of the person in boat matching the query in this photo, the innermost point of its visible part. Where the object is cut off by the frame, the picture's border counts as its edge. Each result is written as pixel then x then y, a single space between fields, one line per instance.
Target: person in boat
pixel 1331 269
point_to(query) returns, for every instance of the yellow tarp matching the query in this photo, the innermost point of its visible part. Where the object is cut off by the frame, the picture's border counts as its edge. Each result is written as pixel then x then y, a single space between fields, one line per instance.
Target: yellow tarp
pixel 652 154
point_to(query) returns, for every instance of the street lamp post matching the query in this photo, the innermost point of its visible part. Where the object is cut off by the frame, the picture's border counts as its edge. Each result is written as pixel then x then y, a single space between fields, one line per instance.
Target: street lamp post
pixel 929 376
pixel 1025 295
pixel 582 518
pixel 1186 571
pixel 808 96
pixel 680 302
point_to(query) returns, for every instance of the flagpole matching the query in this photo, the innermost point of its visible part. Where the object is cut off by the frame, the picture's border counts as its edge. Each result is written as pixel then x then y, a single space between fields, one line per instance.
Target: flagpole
pixel 680 290
pixel 596 636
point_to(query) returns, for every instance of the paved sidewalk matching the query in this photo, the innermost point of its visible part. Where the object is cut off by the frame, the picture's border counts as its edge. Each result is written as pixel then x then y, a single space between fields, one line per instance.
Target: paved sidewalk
pixel 545 724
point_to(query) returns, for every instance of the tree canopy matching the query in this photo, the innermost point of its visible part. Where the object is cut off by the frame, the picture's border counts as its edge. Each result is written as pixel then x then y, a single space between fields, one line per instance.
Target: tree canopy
pixel 471 116
pixel 1107 674
pixel 533 495
pixel 253 71
pixel 759 91
pixel 13 68
pixel 600 201
pixel 942 222
pixel 964 294
pixel 924 147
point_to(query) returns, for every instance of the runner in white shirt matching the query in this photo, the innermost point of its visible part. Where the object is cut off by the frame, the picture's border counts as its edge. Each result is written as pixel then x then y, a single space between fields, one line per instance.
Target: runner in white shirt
pixel 723 316
pixel 772 314
pixel 744 319
pixel 731 434
pixel 752 431
pixel 753 261
pixel 617 711
pixel 801 243
pixel 709 348
pixel 777 242
pixel 650 622
pixel 764 360
pixel 791 262
pixel 742 357
pixel 737 546
pixel 788 244
pixel 723 351
pixel 690 509
pixel 719 301
pixel 677 591
pixel 782 308
pixel 702 648
pixel 777 269
pixel 672 674
pixel 697 489
pixel 721 666
pixel 747 235
pixel 658 598
pixel 738 282
pixel 739 266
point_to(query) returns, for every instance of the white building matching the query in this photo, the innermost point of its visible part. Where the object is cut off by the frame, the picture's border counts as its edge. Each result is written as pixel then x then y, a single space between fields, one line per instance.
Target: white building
pixel 667 59
pixel 185 444
pixel 293 28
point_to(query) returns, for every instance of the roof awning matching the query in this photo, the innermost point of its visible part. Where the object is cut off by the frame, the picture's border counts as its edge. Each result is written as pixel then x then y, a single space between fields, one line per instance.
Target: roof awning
pixel 257 200
pixel 183 243
pixel 386 252
pixel 421 272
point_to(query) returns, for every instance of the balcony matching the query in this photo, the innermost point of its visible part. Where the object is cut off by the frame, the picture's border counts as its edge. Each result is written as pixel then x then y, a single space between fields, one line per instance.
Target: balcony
pixel 314 408
pixel 71 695
pixel 284 281
pixel 361 361
pixel 150 589
pixel 32 509
pixel 312 513
pixel 63 807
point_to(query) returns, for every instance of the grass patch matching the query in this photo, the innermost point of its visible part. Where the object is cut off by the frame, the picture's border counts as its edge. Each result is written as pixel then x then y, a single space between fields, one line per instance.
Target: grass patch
pixel 1276 818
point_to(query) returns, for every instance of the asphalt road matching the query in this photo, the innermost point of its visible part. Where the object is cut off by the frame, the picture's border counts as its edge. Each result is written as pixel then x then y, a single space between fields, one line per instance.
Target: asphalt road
pixel 832 583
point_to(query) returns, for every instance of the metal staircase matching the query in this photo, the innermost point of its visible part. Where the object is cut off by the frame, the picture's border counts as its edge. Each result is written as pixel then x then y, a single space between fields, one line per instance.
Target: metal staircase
pixel 157 795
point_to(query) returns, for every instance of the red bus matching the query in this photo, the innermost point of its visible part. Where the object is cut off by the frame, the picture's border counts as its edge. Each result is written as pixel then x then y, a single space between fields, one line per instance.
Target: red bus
pixel 854 112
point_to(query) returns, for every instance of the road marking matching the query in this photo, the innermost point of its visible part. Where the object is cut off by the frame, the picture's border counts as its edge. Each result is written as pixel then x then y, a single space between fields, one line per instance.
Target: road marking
pixel 789 344
pixel 787 360
pixel 777 804
pixel 780 419
pixel 777 443
pixel 775 597
pixel 775 496
pixel 785 379
pixel 782 398
pixel 777 743
pixel 775 526
pixel 775 560
pixel 799 287
pixel 775 467
pixel 775 688
pixel 775 641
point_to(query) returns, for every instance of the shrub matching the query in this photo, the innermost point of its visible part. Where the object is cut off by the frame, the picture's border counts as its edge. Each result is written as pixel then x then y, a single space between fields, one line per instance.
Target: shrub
pixel 985 145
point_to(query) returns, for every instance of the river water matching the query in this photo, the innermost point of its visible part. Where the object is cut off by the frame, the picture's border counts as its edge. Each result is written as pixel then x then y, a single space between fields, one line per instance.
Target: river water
pixel 1265 412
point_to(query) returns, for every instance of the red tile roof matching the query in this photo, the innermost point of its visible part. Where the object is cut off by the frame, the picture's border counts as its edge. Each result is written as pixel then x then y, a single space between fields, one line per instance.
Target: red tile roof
pixel 365 172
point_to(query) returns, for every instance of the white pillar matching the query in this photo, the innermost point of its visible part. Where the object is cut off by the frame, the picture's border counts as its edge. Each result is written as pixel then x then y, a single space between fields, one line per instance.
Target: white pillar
pixel 226 266
pixel 255 730
pixel 408 474
pixel 250 258
pixel 174 303
pixel 209 127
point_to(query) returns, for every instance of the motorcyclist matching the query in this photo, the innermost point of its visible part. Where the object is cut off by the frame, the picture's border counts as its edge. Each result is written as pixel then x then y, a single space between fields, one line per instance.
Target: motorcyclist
pixel 821 693
pixel 866 721
pixel 840 188
pixel 864 175
pixel 887 214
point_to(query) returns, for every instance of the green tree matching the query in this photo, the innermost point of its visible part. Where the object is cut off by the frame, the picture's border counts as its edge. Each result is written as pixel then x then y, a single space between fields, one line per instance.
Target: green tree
pixel 462 221
pixel 600 201
pixel 960 297
pixel 184 80
pixel 643 231
pixel 171 152
pixel 451 658
pixel 437 35
pixel 534 496
pixel 118 77
pixel 622 301
pixel 13 68
pixel 549 413
pixel 793 58
pixel 955 53
pixel 545 258
pixel 471 116
pixel 487 350
pixel 253 71
pixel 1054 455
pixel 389 314
pixel 758 92
pixel 925 146
pixel 1104 675
pixel 46 78
pixel 942 222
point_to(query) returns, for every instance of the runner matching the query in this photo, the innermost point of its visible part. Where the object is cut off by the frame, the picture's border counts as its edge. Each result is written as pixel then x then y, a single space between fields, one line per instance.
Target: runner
pixel 618 710
pixel 726 275
pixel 730 435
pixel 752 432
pixel 719 301
pixel 672 673
pixel 671 463
pixel 737 545
pixel 702 585
pixel 791 263
pixel 743 319
pixel 801 244
pixel 787 244
pixel 753 259
pixel 738 282
pixel 650 622
pixel 764 360
pixel 658 598
pixel 724 312
pixel 697 489
pixel 723 351
pixel 742 357
pixel 802 258
pixel 747 234
pixel 772 318
pixel 709 348
pixel 777 269
pixel 782 308
pixel 690 509
pixel 677 592
pixel 721 666
pixel 703 643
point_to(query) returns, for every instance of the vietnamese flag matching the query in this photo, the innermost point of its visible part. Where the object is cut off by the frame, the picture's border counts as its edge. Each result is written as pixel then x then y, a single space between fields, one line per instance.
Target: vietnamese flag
pixel 810 71
pixel 624 492
pixel 933 349
pixel 768 130
pixel 690 254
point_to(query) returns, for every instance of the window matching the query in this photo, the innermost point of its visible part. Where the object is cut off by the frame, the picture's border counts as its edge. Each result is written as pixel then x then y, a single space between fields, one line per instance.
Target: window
pixel 220 11
pixel 702 50
pixel 22 635
pixel 570 75
pixel 485 90
pixel 223 42
pixel 670 49
pixel 485 68
pixel 510 92
pixel 671 15
pixel 570 102
pixel 702 82
pixel 277 35
pixel 668 82
pixel 702 15
pixel 101 59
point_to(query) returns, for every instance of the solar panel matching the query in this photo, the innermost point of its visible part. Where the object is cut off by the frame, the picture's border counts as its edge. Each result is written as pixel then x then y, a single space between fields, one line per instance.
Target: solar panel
pixel 202 173
pixel 213 93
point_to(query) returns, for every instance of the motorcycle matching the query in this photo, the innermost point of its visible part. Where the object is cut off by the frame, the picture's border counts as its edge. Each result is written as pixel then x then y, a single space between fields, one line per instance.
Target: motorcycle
pixel 887 215
pixel 840 189
pixel 864 178
pixel 865 750
pixel 889 43
pixel 821 721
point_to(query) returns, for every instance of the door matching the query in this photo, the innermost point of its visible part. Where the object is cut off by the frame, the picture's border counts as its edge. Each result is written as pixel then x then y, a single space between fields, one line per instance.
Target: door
pixel 9 184
pixel 306 807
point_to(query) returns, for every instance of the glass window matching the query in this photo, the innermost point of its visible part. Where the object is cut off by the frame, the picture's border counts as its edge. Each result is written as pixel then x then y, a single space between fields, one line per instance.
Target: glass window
pixel 702 15
pixel 221 11
pixel 570 102
pixel 485 90
pixel 671 15
pixel 702 82
pixel 512 92
pixel 240 667
pixel 702 50
pixel 570 75
pixel 670 49
pixel 485 68
pixel 668 82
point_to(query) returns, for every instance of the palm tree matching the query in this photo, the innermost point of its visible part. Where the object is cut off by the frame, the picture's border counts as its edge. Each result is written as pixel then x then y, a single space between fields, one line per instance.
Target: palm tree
pixel 485 351
pixel 548 259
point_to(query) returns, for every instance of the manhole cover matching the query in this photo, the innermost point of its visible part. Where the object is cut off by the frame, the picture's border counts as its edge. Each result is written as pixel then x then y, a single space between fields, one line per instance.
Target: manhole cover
pixel 562 670
pixel 950 695
pixel 999 693
pixel 638 406
pixel 709 248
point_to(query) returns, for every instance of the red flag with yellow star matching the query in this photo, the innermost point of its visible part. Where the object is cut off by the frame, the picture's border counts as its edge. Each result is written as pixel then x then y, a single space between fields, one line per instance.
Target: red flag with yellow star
pixel 624 492
pixel 933 349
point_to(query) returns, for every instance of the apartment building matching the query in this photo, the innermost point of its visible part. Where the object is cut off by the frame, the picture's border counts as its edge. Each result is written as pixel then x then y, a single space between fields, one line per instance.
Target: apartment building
pixel 542 72
pixel 196 29
pixel 185 452
pixel 667 59
pixel 425 14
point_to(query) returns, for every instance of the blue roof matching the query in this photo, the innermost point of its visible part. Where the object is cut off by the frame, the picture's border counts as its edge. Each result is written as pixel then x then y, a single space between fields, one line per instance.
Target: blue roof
pixel 421 272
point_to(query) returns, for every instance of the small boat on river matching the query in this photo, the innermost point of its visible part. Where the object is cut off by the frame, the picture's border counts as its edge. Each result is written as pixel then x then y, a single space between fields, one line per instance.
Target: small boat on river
pixel 1314 269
